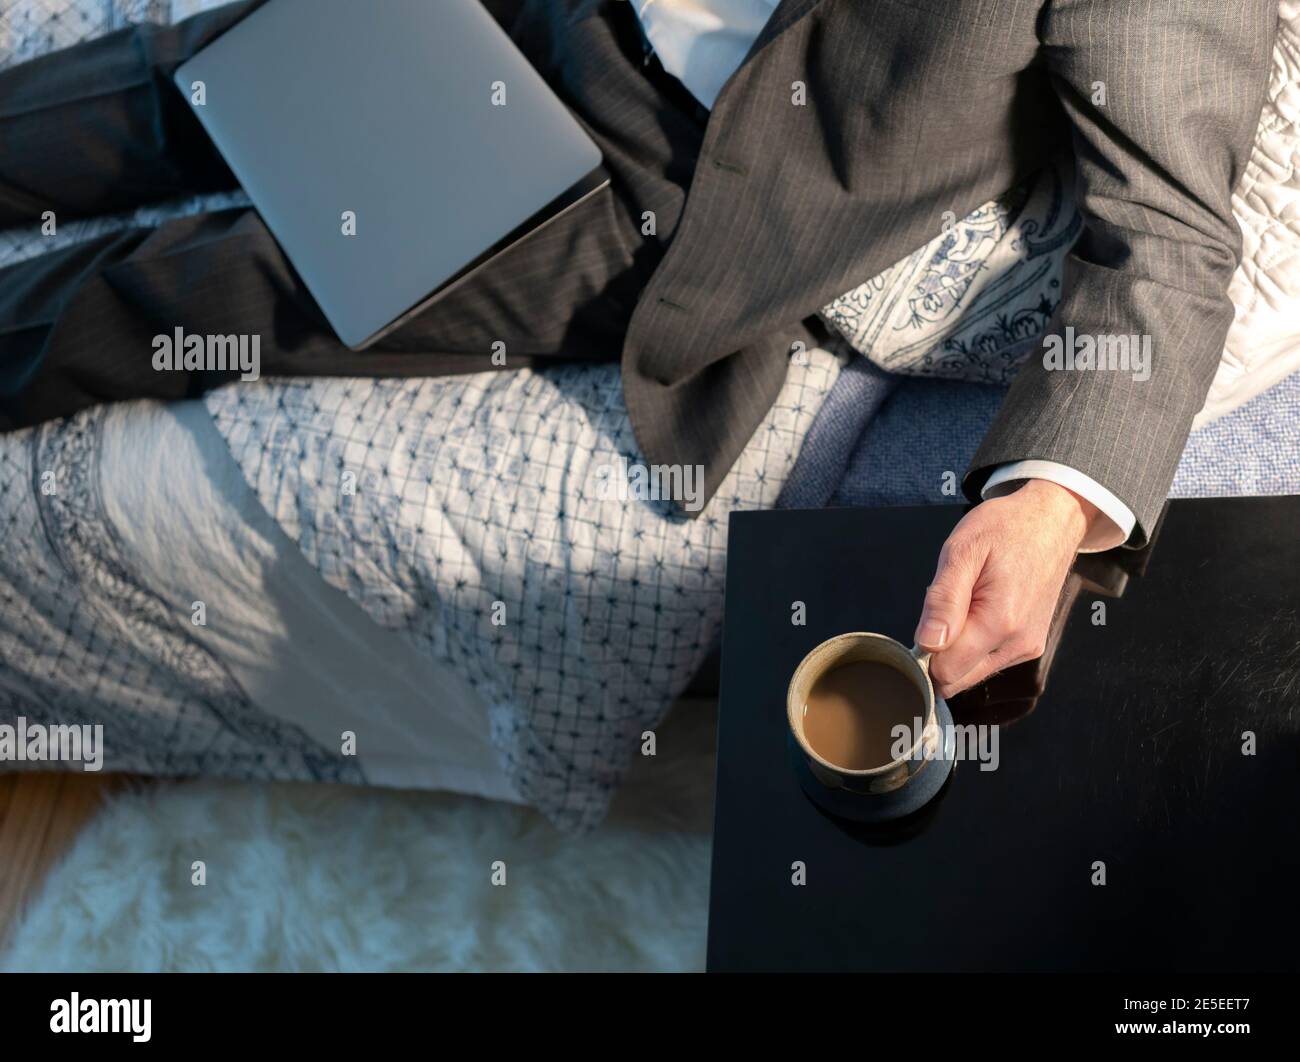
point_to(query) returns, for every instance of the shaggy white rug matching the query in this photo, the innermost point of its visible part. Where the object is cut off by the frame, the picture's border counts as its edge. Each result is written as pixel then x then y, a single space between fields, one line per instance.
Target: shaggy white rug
pixel 305 877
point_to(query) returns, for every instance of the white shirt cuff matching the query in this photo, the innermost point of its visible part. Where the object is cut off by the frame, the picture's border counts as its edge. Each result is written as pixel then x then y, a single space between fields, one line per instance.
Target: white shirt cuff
pixel 1105 534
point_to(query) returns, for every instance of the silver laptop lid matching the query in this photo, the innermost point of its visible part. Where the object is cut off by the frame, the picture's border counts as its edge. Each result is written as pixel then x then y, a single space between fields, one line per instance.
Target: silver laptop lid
pixel 386 145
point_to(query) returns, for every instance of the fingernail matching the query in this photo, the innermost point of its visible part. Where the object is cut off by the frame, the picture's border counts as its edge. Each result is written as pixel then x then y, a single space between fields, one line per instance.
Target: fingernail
pixel 932 633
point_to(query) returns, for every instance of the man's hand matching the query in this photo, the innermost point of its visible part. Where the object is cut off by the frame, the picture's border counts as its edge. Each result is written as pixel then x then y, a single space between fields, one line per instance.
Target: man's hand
pixel 999 577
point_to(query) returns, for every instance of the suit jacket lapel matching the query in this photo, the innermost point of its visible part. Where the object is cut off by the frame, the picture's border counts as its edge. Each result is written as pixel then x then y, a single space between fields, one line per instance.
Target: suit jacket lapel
pixel 787 13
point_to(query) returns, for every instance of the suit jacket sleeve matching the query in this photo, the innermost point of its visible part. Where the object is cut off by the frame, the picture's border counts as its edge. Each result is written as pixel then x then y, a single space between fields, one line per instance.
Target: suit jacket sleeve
pixel 1158 156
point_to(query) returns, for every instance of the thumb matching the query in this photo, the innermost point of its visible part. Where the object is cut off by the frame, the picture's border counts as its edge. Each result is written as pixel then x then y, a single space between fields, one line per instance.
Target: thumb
pixel 947 599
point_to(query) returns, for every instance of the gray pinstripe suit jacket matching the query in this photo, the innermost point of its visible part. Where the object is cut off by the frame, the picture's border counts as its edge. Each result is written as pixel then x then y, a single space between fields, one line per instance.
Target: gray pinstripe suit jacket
pixel 918 107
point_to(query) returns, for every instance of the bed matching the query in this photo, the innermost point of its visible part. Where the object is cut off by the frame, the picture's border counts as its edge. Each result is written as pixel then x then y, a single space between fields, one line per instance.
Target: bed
pixel 413 583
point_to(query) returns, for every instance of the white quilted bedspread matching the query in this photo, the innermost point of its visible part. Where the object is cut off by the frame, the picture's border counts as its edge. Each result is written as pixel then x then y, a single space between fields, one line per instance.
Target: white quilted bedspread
pixel 1263 344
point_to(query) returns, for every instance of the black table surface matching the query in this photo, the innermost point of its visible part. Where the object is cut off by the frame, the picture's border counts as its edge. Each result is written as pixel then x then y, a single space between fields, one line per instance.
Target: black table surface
pixel 1132 757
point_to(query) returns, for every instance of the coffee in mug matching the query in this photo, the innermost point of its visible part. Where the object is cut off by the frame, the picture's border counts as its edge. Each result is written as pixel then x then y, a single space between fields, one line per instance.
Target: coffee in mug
pixel 844 703
pixel 852 711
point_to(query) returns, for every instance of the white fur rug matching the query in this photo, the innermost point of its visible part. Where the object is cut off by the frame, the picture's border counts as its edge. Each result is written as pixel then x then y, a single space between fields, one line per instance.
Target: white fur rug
pixel 305 877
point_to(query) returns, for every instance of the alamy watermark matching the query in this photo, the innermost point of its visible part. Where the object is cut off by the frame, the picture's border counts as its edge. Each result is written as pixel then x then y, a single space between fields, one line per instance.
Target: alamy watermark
pixel 1114 353
pixel 24 742
pixel 77 1015
pixel 625 481
pixel 972 742
pixel 179 352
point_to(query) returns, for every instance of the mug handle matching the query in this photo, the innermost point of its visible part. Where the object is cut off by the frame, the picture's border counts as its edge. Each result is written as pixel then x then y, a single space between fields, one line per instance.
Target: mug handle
pixel 922 658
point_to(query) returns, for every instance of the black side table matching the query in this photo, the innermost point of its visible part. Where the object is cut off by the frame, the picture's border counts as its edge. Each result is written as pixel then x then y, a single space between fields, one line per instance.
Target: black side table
pixel 1131 758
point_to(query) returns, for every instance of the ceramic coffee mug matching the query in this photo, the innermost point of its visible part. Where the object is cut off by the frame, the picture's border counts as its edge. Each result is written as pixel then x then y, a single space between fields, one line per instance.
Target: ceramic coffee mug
pixel 852 648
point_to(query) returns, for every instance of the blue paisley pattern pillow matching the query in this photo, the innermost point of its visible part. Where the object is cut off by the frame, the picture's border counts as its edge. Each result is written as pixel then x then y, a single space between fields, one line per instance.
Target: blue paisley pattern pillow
pixel 973 302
